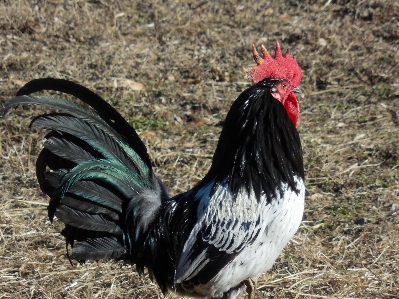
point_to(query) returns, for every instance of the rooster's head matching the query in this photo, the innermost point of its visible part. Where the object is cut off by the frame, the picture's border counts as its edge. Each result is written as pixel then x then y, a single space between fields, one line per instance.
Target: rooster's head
pixel 284 68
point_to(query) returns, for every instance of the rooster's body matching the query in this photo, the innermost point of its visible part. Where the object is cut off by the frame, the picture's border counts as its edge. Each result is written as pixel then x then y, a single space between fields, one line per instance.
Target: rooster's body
pixel 205 242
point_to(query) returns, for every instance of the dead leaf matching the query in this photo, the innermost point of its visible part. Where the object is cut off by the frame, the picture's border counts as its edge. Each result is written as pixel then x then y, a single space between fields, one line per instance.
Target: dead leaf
pixel 268 11
pixel 196 121
pixel 285 17
pixel 316 196
pixel 147 134
pixel 130 84
pixel 322 42
pixel 17 82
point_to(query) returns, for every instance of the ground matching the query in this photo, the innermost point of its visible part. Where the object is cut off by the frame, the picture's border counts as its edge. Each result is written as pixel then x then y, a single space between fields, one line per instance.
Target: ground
pixel 173 68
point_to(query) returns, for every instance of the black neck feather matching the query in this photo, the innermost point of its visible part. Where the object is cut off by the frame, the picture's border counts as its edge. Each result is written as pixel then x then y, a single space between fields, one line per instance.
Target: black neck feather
pixel 259 147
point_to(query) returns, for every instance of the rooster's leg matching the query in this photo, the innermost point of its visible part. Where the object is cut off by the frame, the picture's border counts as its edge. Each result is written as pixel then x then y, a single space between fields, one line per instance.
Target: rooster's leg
pixel 251 284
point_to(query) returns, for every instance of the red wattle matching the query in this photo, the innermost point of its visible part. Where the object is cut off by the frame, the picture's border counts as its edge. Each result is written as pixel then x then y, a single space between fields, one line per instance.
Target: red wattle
pixel 292 107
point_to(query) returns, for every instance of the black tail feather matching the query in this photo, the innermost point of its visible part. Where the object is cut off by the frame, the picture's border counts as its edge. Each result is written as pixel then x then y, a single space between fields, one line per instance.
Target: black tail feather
pixel 69 148
pixel 87 221
pixel 99 245
pixel 98 248
pixel 89 190
pixel 98 174
pixel 101 142
pixel 82 204
pixel 104 110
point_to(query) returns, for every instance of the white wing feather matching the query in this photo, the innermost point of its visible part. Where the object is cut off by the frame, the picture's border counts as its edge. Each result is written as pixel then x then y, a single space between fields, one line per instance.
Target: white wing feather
pixel 225 222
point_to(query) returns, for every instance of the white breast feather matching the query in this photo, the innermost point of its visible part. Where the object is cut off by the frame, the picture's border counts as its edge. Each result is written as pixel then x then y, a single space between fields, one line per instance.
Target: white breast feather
pixel 234 222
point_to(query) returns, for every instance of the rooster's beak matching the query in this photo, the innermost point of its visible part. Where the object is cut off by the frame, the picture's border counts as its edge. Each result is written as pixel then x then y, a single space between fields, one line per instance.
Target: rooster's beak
pixel 297 89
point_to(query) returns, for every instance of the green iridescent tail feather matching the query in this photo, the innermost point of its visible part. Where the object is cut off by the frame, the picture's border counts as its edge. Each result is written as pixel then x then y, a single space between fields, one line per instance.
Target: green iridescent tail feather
pixel 96 170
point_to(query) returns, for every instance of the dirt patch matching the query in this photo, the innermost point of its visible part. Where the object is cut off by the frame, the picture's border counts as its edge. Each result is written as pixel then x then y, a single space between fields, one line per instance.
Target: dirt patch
pixel 173 69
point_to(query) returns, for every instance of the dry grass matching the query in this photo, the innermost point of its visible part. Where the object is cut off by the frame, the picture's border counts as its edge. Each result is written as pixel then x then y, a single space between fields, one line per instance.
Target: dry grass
pixel 186 60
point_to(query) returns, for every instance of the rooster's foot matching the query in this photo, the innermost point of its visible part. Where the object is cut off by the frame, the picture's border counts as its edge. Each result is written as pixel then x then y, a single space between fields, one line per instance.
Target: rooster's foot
pixel 251 284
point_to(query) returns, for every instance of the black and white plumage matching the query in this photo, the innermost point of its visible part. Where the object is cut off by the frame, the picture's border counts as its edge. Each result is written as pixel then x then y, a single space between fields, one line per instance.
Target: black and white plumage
pixel 250 203
pixel 205 242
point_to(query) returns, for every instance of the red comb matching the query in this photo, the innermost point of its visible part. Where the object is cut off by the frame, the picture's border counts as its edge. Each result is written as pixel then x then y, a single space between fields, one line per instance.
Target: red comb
pixel 279 67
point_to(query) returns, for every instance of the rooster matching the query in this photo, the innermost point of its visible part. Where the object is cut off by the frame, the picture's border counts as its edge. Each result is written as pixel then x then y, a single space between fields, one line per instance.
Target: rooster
pixel 209 242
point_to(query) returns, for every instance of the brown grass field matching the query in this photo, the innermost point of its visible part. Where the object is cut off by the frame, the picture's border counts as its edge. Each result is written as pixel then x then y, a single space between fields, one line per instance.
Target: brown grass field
pixel 173 68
